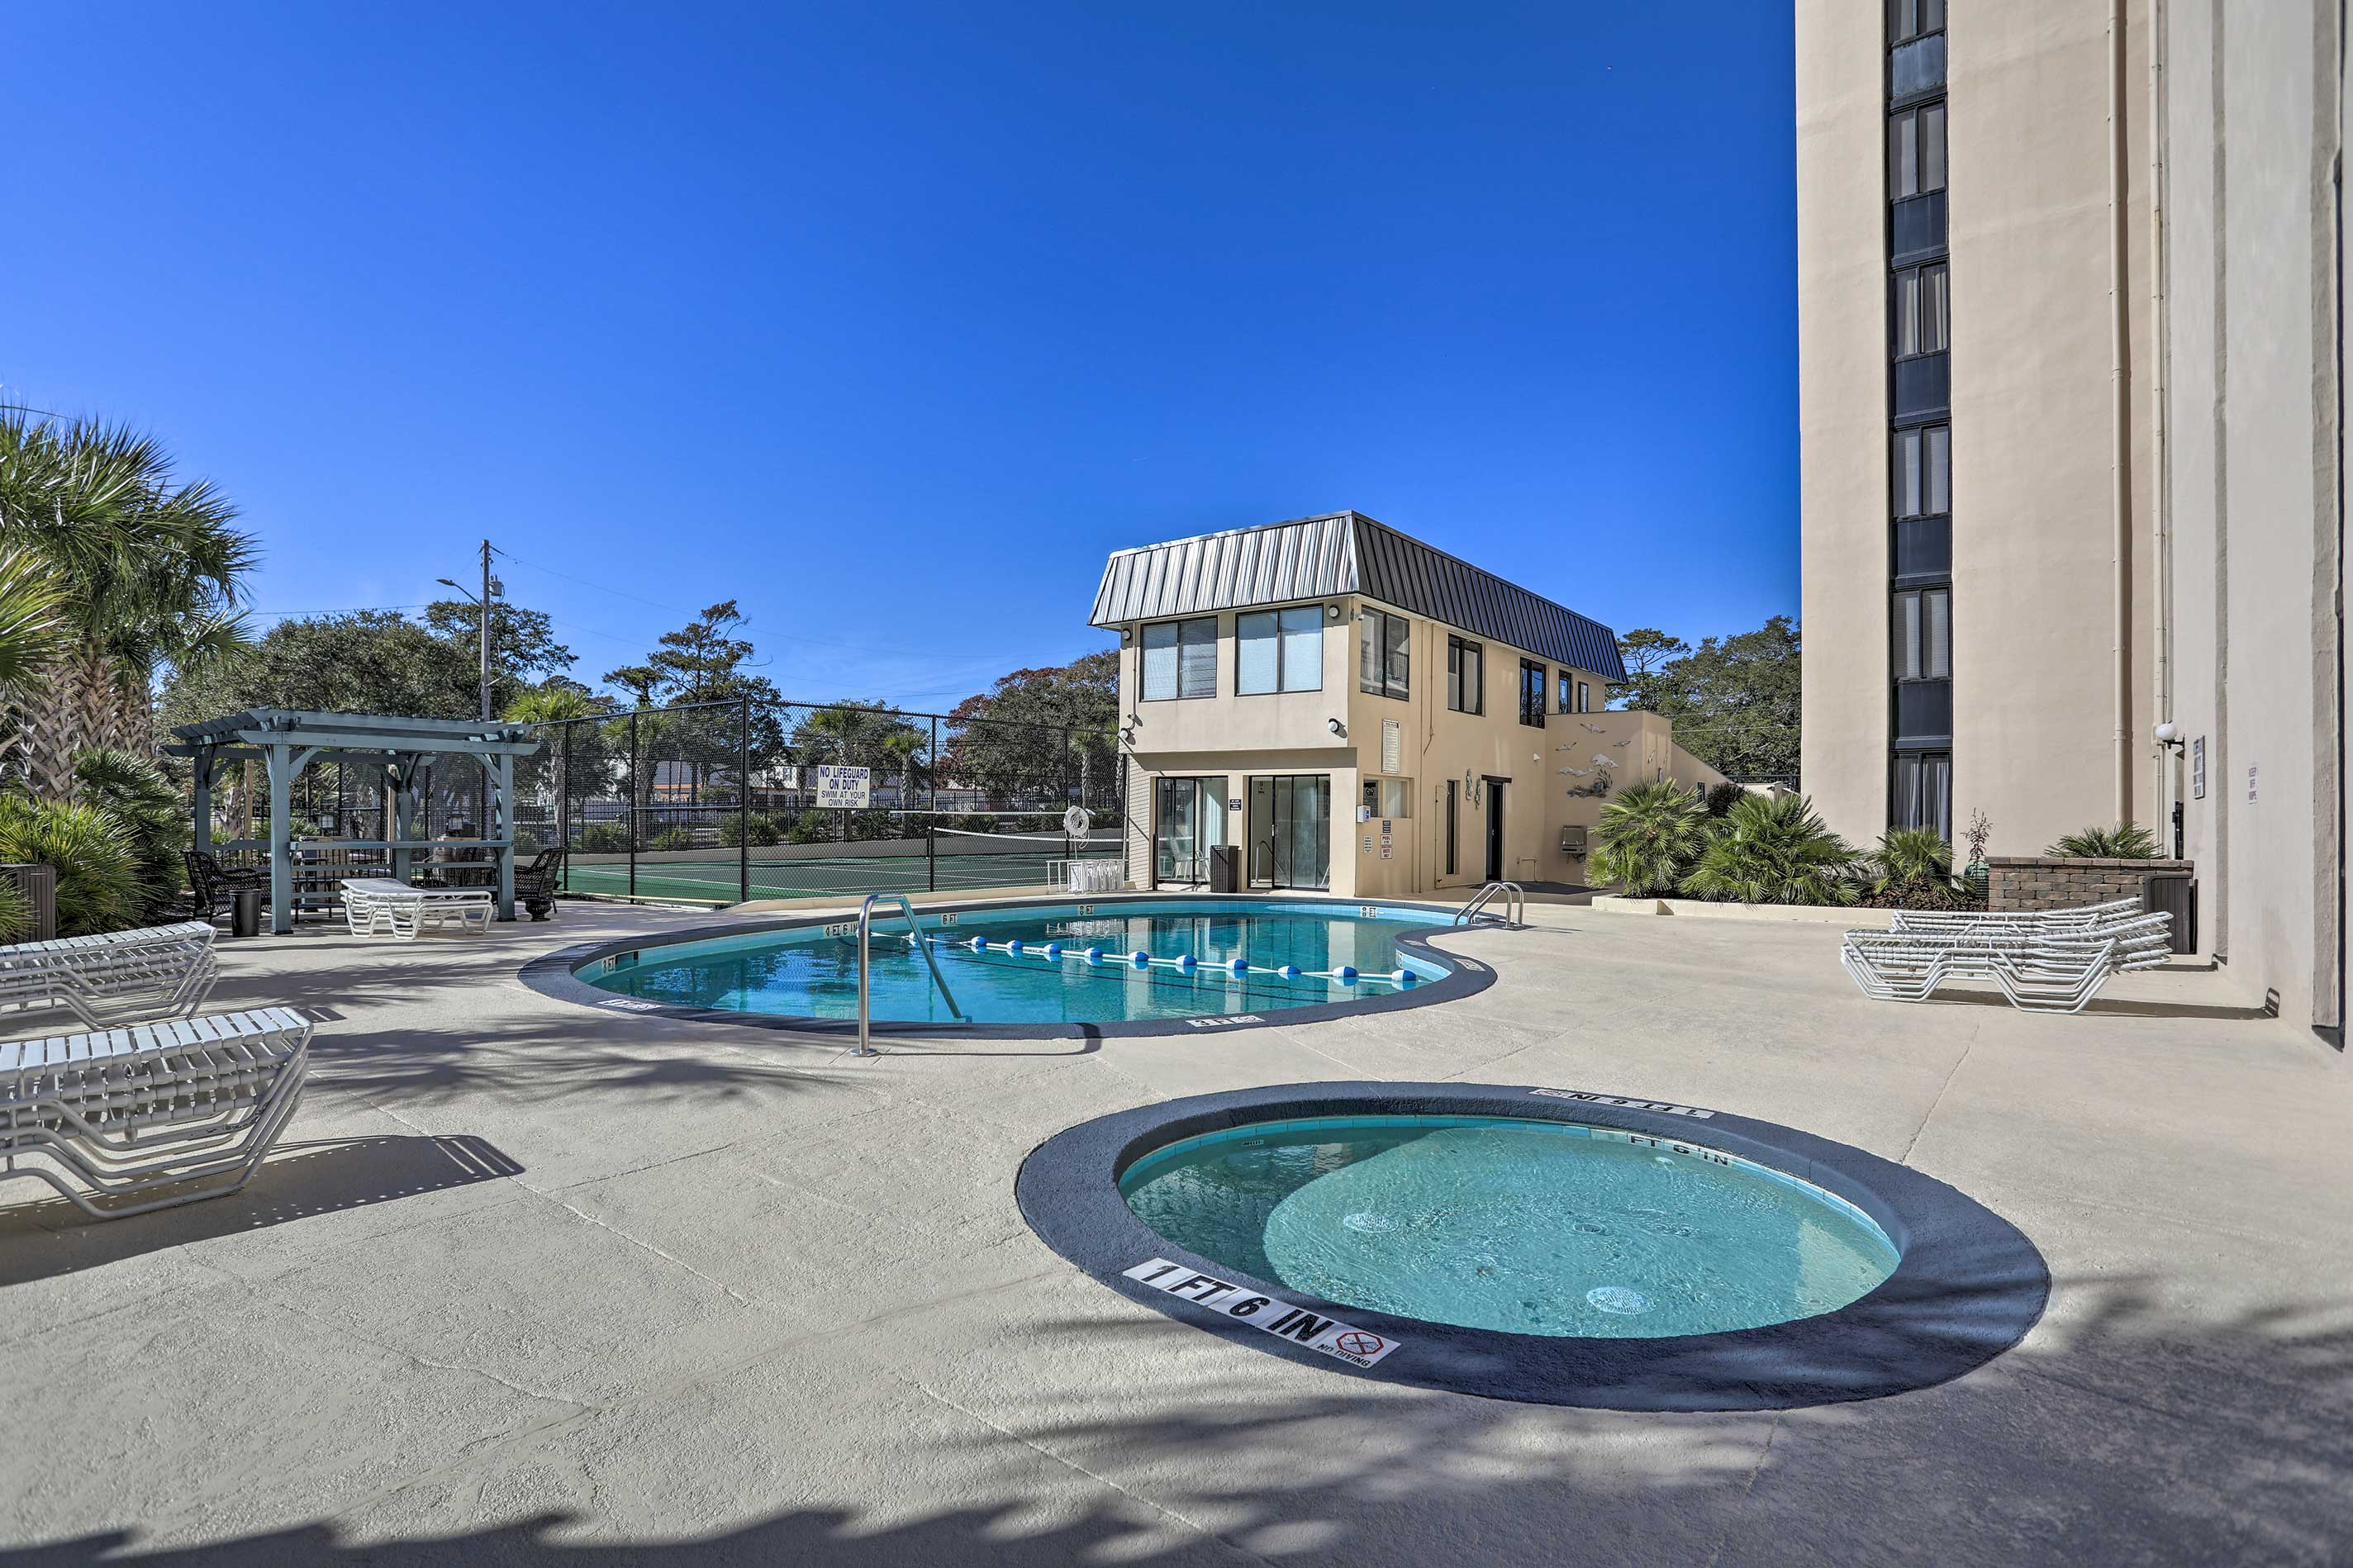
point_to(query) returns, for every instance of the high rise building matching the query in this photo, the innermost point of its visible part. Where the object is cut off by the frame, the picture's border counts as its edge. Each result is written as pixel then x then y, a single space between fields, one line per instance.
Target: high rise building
pixel 2070 307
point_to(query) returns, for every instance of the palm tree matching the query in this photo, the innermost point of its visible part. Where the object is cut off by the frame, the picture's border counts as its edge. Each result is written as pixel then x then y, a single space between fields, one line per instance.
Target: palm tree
pixel 32 630
pixel 557 703
pixel 146 573
pixel 1774 850
pixel 2125 841
pixel 1647 838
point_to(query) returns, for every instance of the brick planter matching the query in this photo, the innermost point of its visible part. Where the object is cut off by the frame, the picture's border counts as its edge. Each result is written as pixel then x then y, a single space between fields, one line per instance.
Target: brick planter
pixel 2040 882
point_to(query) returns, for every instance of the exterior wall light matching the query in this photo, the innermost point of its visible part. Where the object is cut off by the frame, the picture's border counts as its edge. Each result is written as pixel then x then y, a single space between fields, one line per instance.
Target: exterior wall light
pixel 2168 735
pixel 1337 728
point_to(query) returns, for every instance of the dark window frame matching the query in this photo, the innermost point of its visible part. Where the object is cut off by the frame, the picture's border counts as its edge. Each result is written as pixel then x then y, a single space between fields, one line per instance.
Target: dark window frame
pixel 1914 316
pixel 1918 116
pixel 1912 12
pixel 1456 648
pixel 1914 655
pixel 1534 676
pixel 1401 688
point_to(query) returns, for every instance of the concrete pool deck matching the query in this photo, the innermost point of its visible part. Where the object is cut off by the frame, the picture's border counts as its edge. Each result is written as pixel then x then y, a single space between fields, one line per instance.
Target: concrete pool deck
pixel 532 1283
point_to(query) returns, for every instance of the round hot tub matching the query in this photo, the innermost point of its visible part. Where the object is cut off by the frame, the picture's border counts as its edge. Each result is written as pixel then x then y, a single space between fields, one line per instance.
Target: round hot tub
pixel 1504 1222
pixel 1537 1244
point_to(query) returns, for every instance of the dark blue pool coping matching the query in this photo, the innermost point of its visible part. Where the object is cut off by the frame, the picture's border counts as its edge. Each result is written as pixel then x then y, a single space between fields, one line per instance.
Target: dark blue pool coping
pixel 552 975
pixel 1970 1284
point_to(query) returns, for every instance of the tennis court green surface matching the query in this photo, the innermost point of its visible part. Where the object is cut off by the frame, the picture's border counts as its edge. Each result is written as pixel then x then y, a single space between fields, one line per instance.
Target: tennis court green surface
pixel 716 882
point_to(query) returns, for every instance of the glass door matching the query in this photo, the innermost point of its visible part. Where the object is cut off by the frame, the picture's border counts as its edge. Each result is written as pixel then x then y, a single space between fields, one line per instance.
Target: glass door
pixel 1290 831
pixel 1189 820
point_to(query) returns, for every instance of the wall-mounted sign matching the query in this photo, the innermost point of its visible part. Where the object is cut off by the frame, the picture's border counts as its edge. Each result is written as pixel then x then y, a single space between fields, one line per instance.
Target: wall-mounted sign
pixel 1392 746
pixel 843 787
pixel 2198 768
pixel 2251 784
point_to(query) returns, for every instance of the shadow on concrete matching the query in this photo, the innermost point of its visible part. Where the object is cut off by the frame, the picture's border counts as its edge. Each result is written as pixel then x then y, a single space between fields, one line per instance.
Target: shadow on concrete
pixel 2111 1006
pixel 2121 1434
pixel 298 1180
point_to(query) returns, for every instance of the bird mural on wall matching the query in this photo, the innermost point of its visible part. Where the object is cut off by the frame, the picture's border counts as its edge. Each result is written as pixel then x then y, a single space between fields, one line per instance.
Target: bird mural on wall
pixel 1594 728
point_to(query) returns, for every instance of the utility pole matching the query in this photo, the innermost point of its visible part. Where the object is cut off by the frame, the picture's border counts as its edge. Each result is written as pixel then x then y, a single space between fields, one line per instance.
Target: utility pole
pixel 486 631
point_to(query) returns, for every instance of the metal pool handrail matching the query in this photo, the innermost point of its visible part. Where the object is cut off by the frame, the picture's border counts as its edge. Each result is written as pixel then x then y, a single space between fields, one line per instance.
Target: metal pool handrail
pixel 1514 900
pixel 914 935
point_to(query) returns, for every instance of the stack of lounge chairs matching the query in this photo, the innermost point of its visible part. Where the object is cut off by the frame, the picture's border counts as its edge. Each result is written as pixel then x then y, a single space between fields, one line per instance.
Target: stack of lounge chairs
pixel 125 974
pixel 2044 961
pixel 128 1115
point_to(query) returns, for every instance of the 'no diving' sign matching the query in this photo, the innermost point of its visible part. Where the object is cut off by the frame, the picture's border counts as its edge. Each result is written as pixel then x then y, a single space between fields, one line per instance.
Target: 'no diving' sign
pixel 1358 1347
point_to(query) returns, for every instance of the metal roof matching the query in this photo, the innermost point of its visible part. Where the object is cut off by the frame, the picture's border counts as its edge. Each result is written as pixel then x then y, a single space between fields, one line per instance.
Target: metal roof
pixel 1344 552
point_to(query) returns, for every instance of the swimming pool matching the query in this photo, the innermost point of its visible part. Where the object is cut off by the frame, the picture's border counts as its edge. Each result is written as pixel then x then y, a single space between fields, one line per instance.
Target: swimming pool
pixel 1548 1244
pixel 1136 964
pixel 1525 1227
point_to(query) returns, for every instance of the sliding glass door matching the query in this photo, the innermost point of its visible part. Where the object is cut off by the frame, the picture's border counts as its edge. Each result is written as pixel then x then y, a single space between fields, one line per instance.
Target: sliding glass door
pixel 1290 831
pixel 1189 820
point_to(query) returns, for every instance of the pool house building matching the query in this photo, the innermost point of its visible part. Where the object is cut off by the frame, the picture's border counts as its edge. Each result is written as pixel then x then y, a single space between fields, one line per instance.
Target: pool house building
pixel 1329 704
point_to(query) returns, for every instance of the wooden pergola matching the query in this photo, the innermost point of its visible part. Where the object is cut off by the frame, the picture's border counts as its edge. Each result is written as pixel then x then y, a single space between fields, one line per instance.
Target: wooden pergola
pixel 286 741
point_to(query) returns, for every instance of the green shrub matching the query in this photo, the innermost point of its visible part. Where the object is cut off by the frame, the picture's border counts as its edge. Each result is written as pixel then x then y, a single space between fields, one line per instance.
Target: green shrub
pixel 603 838
pixel 1648 838
pixel 1770 850
pixel 15 911
pixel 870 825
pixel 815 827
pixel 98 871
pixel 2125 841
pixel 760 829
pixel 673 838
pixel 1913 869
pixel 1721 798
pixel 134 792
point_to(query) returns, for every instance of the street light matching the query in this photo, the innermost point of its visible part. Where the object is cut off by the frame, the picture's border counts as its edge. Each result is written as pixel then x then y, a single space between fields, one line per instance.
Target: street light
pixel 482 603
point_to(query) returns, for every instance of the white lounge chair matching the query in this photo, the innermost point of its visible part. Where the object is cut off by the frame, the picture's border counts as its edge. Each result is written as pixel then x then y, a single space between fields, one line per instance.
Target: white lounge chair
pixel 148 973
pixel 111 1117
pixel 378 907
pixel 2057 967
pixel 2013 919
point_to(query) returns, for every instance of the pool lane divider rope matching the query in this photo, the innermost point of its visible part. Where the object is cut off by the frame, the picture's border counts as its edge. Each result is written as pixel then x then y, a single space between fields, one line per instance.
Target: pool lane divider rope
pixel 1054 952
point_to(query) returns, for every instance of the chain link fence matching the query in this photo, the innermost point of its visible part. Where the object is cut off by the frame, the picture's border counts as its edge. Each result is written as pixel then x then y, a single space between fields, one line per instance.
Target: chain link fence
pixel 717 803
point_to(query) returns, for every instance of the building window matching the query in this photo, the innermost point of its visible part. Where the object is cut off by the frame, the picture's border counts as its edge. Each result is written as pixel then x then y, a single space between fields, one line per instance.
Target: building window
pixel 1180 660
pixel 1279 650
pixel 1915 152
pixel 1388 797
pixel 1585 697
pixel 1920 793
pixel 1466 685
pixel 1908 19
pixel 1384 653
pixel 1924 471
pixel 1923 624
pixel 1532 694
pixel 1921 319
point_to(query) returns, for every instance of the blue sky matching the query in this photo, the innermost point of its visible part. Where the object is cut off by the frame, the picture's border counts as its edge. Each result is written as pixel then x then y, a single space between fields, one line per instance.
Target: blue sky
pixel 890 320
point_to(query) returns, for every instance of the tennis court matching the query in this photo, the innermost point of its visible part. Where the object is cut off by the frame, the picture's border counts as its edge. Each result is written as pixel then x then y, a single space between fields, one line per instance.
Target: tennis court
pixel 904 867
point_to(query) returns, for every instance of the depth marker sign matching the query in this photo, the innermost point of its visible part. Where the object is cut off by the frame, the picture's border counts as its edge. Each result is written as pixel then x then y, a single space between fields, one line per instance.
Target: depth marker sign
pixel 1358 1347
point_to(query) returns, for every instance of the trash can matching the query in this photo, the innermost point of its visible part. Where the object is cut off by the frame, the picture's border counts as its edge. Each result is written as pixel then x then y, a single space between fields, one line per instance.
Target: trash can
pixel 1225 869
pixel 245 912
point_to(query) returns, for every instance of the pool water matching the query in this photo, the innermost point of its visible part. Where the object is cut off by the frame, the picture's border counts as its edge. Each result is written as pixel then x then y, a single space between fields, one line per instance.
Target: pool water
pixel 1526 1226
pixel 812 972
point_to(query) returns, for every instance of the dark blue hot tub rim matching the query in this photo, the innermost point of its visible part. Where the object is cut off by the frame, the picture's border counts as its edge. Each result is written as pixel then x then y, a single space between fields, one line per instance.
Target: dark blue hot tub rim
pixel 555 974
pixel 1967 1286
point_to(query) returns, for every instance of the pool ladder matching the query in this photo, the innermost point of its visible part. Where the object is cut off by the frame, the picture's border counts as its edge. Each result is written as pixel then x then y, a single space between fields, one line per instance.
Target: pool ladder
pixel 915 937
pixel 1515 905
